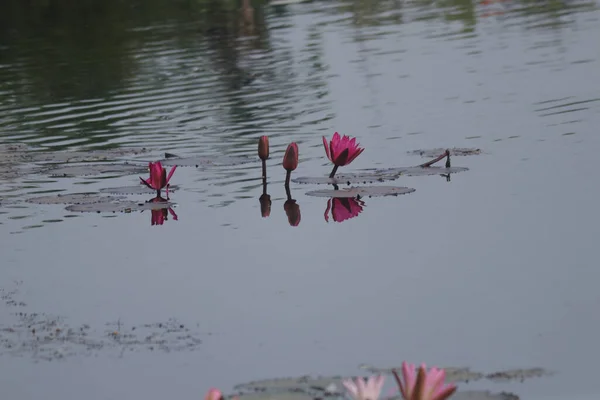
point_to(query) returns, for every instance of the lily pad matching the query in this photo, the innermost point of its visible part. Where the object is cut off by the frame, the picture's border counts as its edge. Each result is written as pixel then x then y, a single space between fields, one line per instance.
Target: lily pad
pixel 72 198
pixel 81 156
pixel 97 169
pixel 205 161
pixel 139 189
pixel 114 207
pixel 422 171
pixel 518 374
pixel 362 191
pixel 456 151
pixel 474 395
pixel 453 374
pixel 369 177
pixel 275 396
pixel 303 383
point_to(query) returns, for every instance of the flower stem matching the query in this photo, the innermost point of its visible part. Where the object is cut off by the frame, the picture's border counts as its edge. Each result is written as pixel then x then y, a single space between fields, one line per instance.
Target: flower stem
pixel 264 170
pixel 438 158
pixel 288 193
pixel 333 171
pixel 287 177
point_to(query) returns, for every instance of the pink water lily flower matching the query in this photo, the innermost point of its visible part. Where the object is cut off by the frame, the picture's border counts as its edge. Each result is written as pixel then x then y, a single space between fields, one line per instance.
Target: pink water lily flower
pixel 359 390
pixel 158 177
pixel 423 385
pixel 341 150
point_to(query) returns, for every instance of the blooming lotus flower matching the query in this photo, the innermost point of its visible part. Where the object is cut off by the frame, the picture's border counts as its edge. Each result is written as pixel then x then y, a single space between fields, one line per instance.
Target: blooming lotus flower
pixel 158 177
pixel 341 151
pixel 213 394
pixel 343 208
pixel 359 390
pixel 423 385
pixel 263 148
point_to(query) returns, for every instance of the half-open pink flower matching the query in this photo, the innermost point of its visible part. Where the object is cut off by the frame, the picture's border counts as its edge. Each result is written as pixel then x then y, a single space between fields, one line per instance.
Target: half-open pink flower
pixel 423 385
pixel 361 390
pixel 341 150
pixel 158 177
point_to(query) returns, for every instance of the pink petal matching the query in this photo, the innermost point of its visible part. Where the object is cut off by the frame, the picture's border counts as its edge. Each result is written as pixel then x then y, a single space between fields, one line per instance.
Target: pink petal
pixel 171 172
pixel 326 145
pixel 351 387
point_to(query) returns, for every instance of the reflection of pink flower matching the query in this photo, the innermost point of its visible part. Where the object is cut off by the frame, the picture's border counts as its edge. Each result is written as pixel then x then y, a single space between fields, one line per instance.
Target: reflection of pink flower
pixel 158 177
pixel 341 150
pixel 160 215
pixel 343 208
pixel 423 385
pixel 359 390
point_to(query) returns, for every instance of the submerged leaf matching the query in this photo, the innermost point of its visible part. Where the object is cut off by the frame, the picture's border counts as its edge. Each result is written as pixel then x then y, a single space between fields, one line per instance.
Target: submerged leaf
pixel 362 191
pixel 72 198
pixel 204 161
pixel 456 151
pixel 347 179
pixel 422 171
pixel 113 207
pixel 97 169
pixel 302 383
pixel 139 189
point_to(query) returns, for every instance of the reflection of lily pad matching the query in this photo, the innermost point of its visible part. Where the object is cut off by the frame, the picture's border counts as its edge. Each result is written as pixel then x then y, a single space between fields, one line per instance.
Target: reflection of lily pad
pixel 453 374
pixel 81 156
pixel 302 383
pixel 518 374
pixel 72 198
pixel 139 189
pixel 97 169
pixel 422 171
pixel 457 151
pixel 362 191
pixel 205 161
pixel 347 179
pixel 114 207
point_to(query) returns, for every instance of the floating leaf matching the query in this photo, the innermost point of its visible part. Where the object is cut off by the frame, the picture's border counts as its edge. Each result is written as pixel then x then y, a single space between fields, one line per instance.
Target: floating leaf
pixel 81 156
pixel 302 383
pixel 114 207
pixel 275 396
pixel 474 395
pixel 422 171
pixel 518 374
pixel 456 151
pixel 362 191
pixel 204 161
pixel 139 189
pixel 97 169
pixel 72 198
pixel 347 179
pixel 453 374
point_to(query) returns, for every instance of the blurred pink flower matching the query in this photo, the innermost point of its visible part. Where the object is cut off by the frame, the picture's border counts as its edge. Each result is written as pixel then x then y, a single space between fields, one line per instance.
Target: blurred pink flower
pixel 423 385
pixel 359 390
pixel 213 394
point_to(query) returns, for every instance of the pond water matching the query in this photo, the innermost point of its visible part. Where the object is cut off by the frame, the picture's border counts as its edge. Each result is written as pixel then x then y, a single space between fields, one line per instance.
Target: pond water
pixel 494 269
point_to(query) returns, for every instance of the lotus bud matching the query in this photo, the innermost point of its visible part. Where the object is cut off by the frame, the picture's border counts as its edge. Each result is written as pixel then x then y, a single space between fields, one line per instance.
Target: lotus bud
pixel 263 148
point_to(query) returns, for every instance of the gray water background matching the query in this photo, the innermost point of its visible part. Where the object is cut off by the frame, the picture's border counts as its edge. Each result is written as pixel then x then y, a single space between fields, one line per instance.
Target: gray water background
pixel 496 269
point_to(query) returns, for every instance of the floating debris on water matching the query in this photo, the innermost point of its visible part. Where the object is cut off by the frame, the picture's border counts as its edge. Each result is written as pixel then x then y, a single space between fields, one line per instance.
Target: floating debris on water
pixel 204 161
pixel 456 151
pixel 362 191
pixel 347 179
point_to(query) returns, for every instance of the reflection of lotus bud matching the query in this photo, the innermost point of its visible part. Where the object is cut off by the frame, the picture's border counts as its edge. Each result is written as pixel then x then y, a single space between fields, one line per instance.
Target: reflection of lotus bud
pixel 292 210
pixel 265 205
pixel 263 147
pixel 290 159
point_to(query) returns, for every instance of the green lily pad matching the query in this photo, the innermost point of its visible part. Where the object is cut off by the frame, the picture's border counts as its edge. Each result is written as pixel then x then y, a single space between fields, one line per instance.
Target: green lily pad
pixel 72 198
pixel 139 189
pixel 422 171
pixel 121 206
pixel 85 156
pixel 305 384
pixel 347 179
pixel 362 191
pixel 518 374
